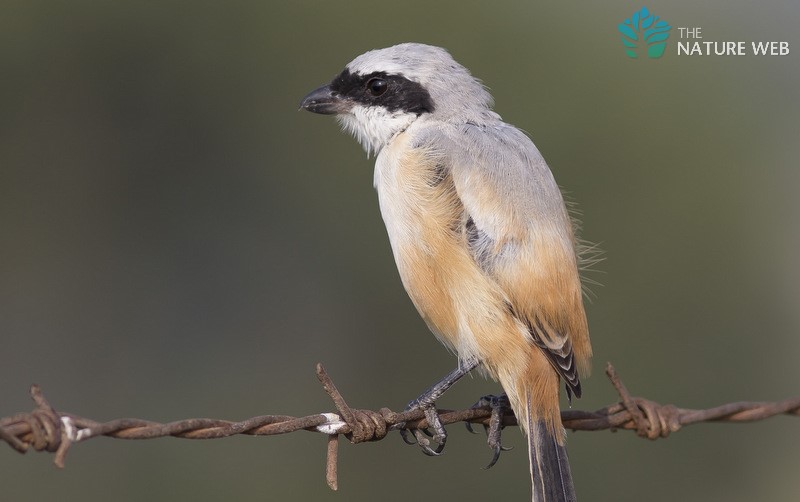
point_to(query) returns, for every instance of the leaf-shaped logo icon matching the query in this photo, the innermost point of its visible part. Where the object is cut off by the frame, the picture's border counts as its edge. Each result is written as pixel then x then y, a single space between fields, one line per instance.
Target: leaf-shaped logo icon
pixel 644 29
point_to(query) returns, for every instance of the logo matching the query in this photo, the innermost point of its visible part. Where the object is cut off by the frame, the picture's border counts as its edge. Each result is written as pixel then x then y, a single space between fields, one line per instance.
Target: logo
pixel 692 44
pixel 644 31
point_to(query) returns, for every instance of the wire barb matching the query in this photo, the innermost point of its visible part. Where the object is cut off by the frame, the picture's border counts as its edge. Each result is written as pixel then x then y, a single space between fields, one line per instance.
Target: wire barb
pixel 45 429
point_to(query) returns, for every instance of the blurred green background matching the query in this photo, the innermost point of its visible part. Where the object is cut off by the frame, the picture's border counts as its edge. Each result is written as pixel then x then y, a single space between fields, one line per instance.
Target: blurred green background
pixel 177 240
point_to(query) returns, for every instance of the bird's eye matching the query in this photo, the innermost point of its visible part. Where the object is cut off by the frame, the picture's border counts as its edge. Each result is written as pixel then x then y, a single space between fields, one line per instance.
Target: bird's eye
pixel 377 86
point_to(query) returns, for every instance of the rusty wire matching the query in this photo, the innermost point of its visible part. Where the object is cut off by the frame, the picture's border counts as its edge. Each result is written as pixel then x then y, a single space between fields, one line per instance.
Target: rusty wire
pixel 45 429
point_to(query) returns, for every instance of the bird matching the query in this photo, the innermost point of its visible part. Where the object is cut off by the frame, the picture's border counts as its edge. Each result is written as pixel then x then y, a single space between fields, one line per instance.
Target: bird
pixel 481 235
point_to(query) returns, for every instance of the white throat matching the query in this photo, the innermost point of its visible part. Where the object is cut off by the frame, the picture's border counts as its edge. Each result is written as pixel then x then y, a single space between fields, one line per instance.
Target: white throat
pixel 374 126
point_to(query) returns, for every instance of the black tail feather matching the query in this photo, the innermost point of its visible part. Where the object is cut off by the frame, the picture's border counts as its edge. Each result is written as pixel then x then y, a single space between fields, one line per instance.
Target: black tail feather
pixel 550 473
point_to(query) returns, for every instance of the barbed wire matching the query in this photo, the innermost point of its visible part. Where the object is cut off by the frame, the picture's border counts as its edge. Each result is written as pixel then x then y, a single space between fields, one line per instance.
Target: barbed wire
pixel 46 429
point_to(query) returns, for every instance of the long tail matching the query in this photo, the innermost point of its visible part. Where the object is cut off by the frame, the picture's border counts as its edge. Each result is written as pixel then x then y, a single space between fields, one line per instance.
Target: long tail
pixel 551 477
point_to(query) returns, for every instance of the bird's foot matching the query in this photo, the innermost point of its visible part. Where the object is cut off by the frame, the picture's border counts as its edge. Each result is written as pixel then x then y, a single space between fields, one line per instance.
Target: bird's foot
pixel 424 437
pixel 426 402
pixel 499 406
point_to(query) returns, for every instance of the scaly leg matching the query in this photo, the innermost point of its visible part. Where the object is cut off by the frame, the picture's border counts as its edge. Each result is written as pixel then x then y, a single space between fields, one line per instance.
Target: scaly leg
pixel 427 402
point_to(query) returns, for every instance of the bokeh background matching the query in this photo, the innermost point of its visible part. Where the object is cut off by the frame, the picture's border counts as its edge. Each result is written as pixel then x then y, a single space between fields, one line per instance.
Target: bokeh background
pixel 177 240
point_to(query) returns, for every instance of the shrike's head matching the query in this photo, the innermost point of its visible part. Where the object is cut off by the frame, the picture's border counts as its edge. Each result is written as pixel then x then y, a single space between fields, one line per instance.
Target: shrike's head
pixel 382 92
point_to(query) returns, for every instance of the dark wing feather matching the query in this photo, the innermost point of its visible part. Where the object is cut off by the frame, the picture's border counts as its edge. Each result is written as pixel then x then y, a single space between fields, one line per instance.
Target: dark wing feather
pixel 558 350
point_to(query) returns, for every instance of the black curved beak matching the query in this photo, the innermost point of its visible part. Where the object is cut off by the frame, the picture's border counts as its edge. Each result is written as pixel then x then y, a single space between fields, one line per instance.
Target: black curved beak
pixel 324 101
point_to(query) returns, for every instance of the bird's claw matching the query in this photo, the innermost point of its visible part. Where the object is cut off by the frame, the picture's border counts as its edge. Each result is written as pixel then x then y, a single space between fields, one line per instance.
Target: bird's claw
pixel 404 435
pixel 499 406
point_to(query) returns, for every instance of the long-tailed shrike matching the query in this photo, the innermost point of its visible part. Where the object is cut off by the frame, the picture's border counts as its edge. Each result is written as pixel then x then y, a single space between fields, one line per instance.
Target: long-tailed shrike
pixel 482 238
